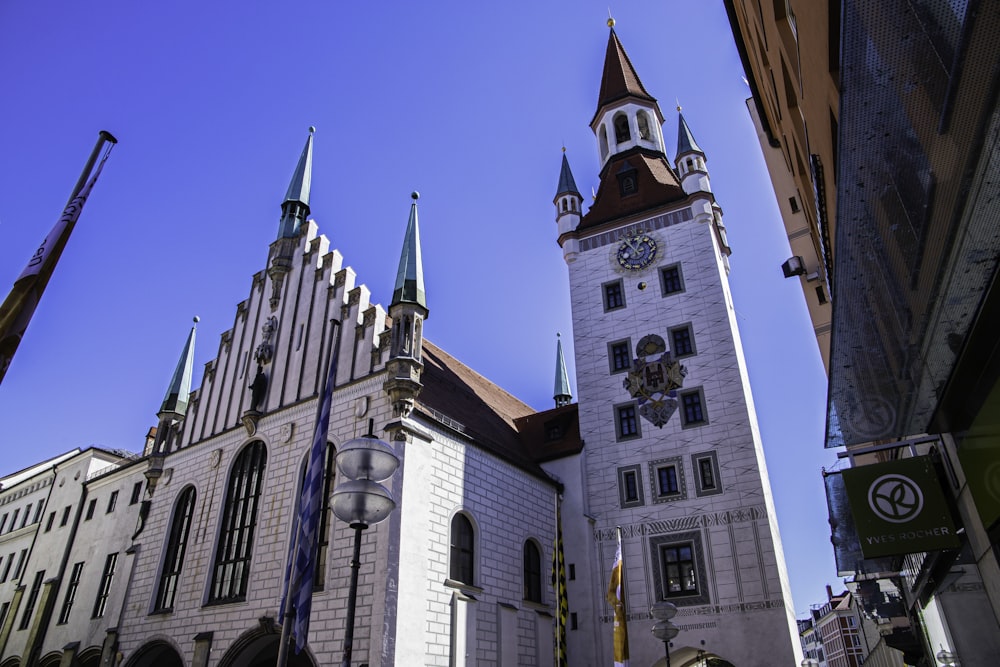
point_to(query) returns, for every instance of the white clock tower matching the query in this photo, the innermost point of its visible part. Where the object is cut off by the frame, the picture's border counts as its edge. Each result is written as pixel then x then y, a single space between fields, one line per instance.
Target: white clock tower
pixel 672 456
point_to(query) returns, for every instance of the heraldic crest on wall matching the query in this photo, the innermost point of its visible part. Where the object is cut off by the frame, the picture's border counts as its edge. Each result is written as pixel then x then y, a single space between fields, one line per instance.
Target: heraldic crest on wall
pixel 654 379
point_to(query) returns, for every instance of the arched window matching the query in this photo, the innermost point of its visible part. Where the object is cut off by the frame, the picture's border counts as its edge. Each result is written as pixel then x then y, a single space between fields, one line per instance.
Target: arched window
pixel 564 205
pixel 173 560
pixel 323 537
pixel 532 572
pixel 604 142
pixel 239 519
pixel 463 550
pixel 642 120
pixel 622 132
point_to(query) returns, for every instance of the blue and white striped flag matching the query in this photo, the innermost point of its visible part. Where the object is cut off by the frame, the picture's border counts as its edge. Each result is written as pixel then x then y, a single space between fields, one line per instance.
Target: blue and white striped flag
pixel 302 568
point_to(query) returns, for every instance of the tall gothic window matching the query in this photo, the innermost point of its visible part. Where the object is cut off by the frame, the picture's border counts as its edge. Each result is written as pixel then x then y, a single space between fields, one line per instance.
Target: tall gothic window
pixel 234 550
pixel 176 546
pixel 323 537
pixel 532 572
pixel 463 549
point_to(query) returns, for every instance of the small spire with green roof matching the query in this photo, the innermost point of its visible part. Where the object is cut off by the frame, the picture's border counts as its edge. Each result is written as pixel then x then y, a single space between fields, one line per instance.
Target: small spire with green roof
pixel 295 207
pixel 562 394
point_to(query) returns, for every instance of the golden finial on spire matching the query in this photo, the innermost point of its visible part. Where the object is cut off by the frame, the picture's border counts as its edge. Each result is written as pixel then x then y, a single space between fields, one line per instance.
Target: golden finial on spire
pixel 678 105
pixel 611 19
pixel 564 149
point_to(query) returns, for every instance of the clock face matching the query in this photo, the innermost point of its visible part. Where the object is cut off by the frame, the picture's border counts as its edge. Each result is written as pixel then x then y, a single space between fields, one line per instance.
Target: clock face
pixel 636 252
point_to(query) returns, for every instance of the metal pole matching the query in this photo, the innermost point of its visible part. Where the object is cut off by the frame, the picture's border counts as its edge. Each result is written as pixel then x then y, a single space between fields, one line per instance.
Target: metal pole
pixel 352 597
pixel 666 647
pixel 103 137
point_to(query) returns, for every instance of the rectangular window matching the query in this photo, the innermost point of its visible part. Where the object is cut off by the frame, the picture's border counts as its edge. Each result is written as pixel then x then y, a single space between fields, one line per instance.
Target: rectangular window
pixel 693 413
pixel 671 280
pixel 626 421
pixel 614 296
pixel 619 356
pixel 91 506
pixel 573 622
pixel 51 520
pixel 666 480
pixel 105 589
pixel 681 341
pixel 707 474
pixel 112 501
pixel 677 562
pixel 29 606
pixel 74 583
pixel 65 516
pixel 3 523
pixel 27 513
pixel 629 486
pixel 706 466
pixel 38 513
pixel 3 612
pixel 6 568
pixel 13 521
pixel 136 493
pixel 20 563
pixel 572 571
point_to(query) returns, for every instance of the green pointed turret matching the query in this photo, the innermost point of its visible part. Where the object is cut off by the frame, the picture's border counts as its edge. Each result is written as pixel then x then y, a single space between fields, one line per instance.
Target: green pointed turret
pixel 409 286
pixel 685 140
pixel 176 400
pixel 567 185
pixel 295 207
pixel 561 392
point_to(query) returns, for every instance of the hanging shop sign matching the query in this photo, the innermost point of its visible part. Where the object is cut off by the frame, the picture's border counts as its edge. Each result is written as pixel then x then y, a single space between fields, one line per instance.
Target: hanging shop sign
pixel 899 508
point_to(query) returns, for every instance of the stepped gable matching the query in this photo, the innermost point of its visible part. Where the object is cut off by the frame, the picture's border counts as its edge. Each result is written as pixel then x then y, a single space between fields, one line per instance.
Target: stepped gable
pixel 551 434
pixel 487 413
pixel 656 182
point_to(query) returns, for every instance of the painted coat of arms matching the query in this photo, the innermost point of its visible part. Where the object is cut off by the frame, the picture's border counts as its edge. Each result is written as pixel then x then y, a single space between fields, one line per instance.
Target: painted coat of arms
pixel 654 379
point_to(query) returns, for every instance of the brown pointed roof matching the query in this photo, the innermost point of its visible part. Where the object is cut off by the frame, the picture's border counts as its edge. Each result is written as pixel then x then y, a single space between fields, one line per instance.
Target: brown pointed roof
pixel 656 182
pixel 619 79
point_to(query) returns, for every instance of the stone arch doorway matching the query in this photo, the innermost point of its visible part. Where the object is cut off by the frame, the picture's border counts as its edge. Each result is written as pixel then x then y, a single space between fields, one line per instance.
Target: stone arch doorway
pixel 90 658
pixel 259 648
pixel 154 654
pixel 688 656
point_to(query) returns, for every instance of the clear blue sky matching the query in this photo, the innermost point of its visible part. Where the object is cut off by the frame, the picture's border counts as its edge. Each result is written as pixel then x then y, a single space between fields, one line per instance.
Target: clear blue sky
pixel 469 103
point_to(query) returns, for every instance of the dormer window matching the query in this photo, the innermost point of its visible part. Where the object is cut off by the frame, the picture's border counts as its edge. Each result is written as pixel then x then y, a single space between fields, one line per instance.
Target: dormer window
pixel 622 132
pixel 628 182
pixel 642 120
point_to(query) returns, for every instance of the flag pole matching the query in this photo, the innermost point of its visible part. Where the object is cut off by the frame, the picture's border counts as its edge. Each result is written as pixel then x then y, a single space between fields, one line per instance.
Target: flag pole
pixel 289 610
pixel 23 298
pixel 103 137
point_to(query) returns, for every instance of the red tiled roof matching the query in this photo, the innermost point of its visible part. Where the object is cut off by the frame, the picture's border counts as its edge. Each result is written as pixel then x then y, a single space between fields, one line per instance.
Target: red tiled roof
pixel 657 185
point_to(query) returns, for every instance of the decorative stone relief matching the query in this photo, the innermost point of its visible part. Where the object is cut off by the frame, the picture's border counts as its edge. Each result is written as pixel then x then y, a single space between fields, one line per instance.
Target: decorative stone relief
pixel 286 431
pixel 265 350
pixel 215 458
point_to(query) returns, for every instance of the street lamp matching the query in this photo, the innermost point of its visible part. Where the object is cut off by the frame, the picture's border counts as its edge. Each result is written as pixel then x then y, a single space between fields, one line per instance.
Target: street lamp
pixel 361 502
pixel 663 629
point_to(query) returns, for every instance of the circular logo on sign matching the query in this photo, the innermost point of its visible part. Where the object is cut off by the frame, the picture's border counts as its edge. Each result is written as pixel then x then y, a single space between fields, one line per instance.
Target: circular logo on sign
pixel 895 498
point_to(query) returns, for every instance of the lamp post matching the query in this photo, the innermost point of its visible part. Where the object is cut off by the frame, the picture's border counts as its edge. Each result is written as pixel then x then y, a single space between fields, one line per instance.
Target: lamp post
pixel 663 629
pixel 361 502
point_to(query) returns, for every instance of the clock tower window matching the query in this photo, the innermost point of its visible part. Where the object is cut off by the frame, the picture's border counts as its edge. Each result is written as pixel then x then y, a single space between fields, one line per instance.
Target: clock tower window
pixel 671 280
pixel 622 132
pixel 614 295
